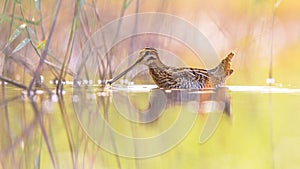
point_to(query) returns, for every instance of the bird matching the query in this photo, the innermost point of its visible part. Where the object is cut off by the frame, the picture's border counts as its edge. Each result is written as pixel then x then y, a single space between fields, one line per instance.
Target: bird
pixel 168 77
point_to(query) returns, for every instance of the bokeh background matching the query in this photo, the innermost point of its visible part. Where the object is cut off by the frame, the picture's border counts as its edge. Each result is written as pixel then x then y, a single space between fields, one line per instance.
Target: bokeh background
pixel 43 131
pixel 256 30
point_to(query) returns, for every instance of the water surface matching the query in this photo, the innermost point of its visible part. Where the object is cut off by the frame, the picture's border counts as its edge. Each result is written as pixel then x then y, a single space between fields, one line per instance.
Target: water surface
pixel 70 131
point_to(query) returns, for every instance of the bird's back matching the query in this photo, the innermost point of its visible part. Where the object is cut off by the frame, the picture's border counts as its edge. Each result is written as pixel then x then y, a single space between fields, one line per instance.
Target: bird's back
pixel 180 78
pixel 190 78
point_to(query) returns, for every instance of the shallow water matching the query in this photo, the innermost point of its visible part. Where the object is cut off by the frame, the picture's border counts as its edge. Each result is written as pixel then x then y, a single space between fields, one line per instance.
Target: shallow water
pixel 142 127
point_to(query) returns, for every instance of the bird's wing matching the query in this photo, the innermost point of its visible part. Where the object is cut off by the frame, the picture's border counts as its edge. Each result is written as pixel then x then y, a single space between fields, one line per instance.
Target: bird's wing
pixel 190 74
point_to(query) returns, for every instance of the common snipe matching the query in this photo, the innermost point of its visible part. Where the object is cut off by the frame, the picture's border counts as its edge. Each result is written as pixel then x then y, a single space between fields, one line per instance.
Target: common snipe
pixel 168 77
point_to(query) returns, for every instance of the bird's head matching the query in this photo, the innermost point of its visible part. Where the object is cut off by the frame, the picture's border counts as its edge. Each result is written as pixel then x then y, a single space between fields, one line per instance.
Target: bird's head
pixel 148 56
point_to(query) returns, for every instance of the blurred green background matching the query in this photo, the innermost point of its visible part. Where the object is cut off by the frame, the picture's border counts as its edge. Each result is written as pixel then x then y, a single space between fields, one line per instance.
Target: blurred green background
pixel 44 132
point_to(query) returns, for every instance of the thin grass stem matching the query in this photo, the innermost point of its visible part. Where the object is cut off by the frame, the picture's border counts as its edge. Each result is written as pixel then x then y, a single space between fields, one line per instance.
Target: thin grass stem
pixel 45 52
pixel 43 131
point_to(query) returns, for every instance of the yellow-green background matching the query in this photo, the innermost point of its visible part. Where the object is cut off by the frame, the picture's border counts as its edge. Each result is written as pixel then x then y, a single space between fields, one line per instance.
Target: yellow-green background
pixel 262 132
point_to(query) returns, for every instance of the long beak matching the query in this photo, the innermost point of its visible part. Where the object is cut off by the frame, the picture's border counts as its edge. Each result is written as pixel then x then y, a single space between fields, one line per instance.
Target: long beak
pixel 124 72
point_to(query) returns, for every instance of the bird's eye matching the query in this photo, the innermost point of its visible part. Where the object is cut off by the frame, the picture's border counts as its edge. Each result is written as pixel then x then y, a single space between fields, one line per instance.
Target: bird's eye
pixel 147 53
pixel 151 57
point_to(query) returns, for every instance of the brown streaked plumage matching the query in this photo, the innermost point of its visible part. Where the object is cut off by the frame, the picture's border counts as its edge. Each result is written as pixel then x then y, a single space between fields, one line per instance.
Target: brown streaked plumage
pixel 168 77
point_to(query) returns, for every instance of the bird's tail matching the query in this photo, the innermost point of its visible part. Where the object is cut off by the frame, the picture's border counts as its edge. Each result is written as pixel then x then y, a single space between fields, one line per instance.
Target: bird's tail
pixel 223 69
pixel 226 64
